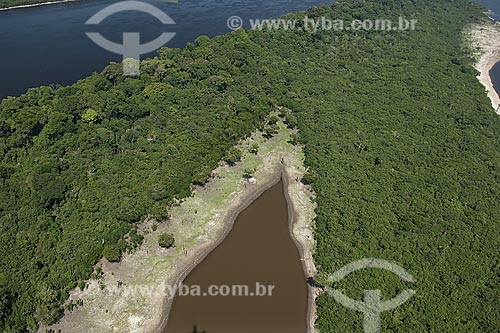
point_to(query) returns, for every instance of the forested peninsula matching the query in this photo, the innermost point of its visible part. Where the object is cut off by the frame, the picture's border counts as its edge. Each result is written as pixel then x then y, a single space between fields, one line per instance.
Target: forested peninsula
pixel 401 145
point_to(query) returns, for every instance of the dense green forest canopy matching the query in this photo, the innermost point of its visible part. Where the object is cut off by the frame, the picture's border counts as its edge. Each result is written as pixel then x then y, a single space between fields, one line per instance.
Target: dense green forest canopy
pixel 400 140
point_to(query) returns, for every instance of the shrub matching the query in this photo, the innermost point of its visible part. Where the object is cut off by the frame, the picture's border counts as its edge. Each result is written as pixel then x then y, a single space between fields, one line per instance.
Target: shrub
pixel 254 149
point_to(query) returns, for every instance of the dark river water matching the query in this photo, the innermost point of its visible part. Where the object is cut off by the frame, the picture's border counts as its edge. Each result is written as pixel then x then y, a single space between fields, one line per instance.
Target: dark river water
pixel 495 77
pixel 494 6
pixel 47 44
pixel 259 249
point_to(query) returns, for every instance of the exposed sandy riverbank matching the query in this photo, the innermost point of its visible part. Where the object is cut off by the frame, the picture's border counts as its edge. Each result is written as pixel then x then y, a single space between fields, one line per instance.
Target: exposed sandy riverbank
pixel 37 4
pixel 199 224
pixel 485 39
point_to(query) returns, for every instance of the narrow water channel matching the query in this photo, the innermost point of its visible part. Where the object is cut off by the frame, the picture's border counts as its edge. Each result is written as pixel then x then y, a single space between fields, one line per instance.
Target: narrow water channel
pixel 259 249
pixel 495 77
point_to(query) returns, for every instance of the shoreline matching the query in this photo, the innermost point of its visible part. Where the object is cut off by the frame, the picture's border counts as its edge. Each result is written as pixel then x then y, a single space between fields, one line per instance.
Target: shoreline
pixel 199 223
pixel 280 174
pixel 36 4
pixel 304 249
pixel 486 38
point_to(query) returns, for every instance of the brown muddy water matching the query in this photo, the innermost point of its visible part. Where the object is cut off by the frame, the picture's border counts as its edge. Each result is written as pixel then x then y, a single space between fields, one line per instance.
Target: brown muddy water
pixel 259 249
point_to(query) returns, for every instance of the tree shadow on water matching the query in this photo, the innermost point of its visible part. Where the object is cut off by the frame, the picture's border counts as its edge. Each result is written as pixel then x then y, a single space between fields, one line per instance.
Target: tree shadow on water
pixel 195 330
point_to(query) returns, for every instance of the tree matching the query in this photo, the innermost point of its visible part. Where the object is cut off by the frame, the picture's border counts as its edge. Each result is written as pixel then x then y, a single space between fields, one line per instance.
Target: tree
pixel 273 120
pixel 166 240
pixel 90 116
pixel 233 156
pixel 5 304
pixel 111 252
pixel 270 131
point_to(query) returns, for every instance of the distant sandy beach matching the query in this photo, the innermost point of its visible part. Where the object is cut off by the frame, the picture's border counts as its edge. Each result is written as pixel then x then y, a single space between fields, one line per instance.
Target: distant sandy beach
pixel 36 4
pixel 486 38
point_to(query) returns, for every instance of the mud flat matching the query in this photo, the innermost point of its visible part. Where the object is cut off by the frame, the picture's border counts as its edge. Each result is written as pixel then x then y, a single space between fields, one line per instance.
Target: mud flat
pixel 485 39
pixel 134 295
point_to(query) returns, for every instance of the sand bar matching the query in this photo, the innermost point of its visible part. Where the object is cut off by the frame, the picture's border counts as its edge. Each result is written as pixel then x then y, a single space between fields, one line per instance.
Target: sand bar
pixel 486 40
